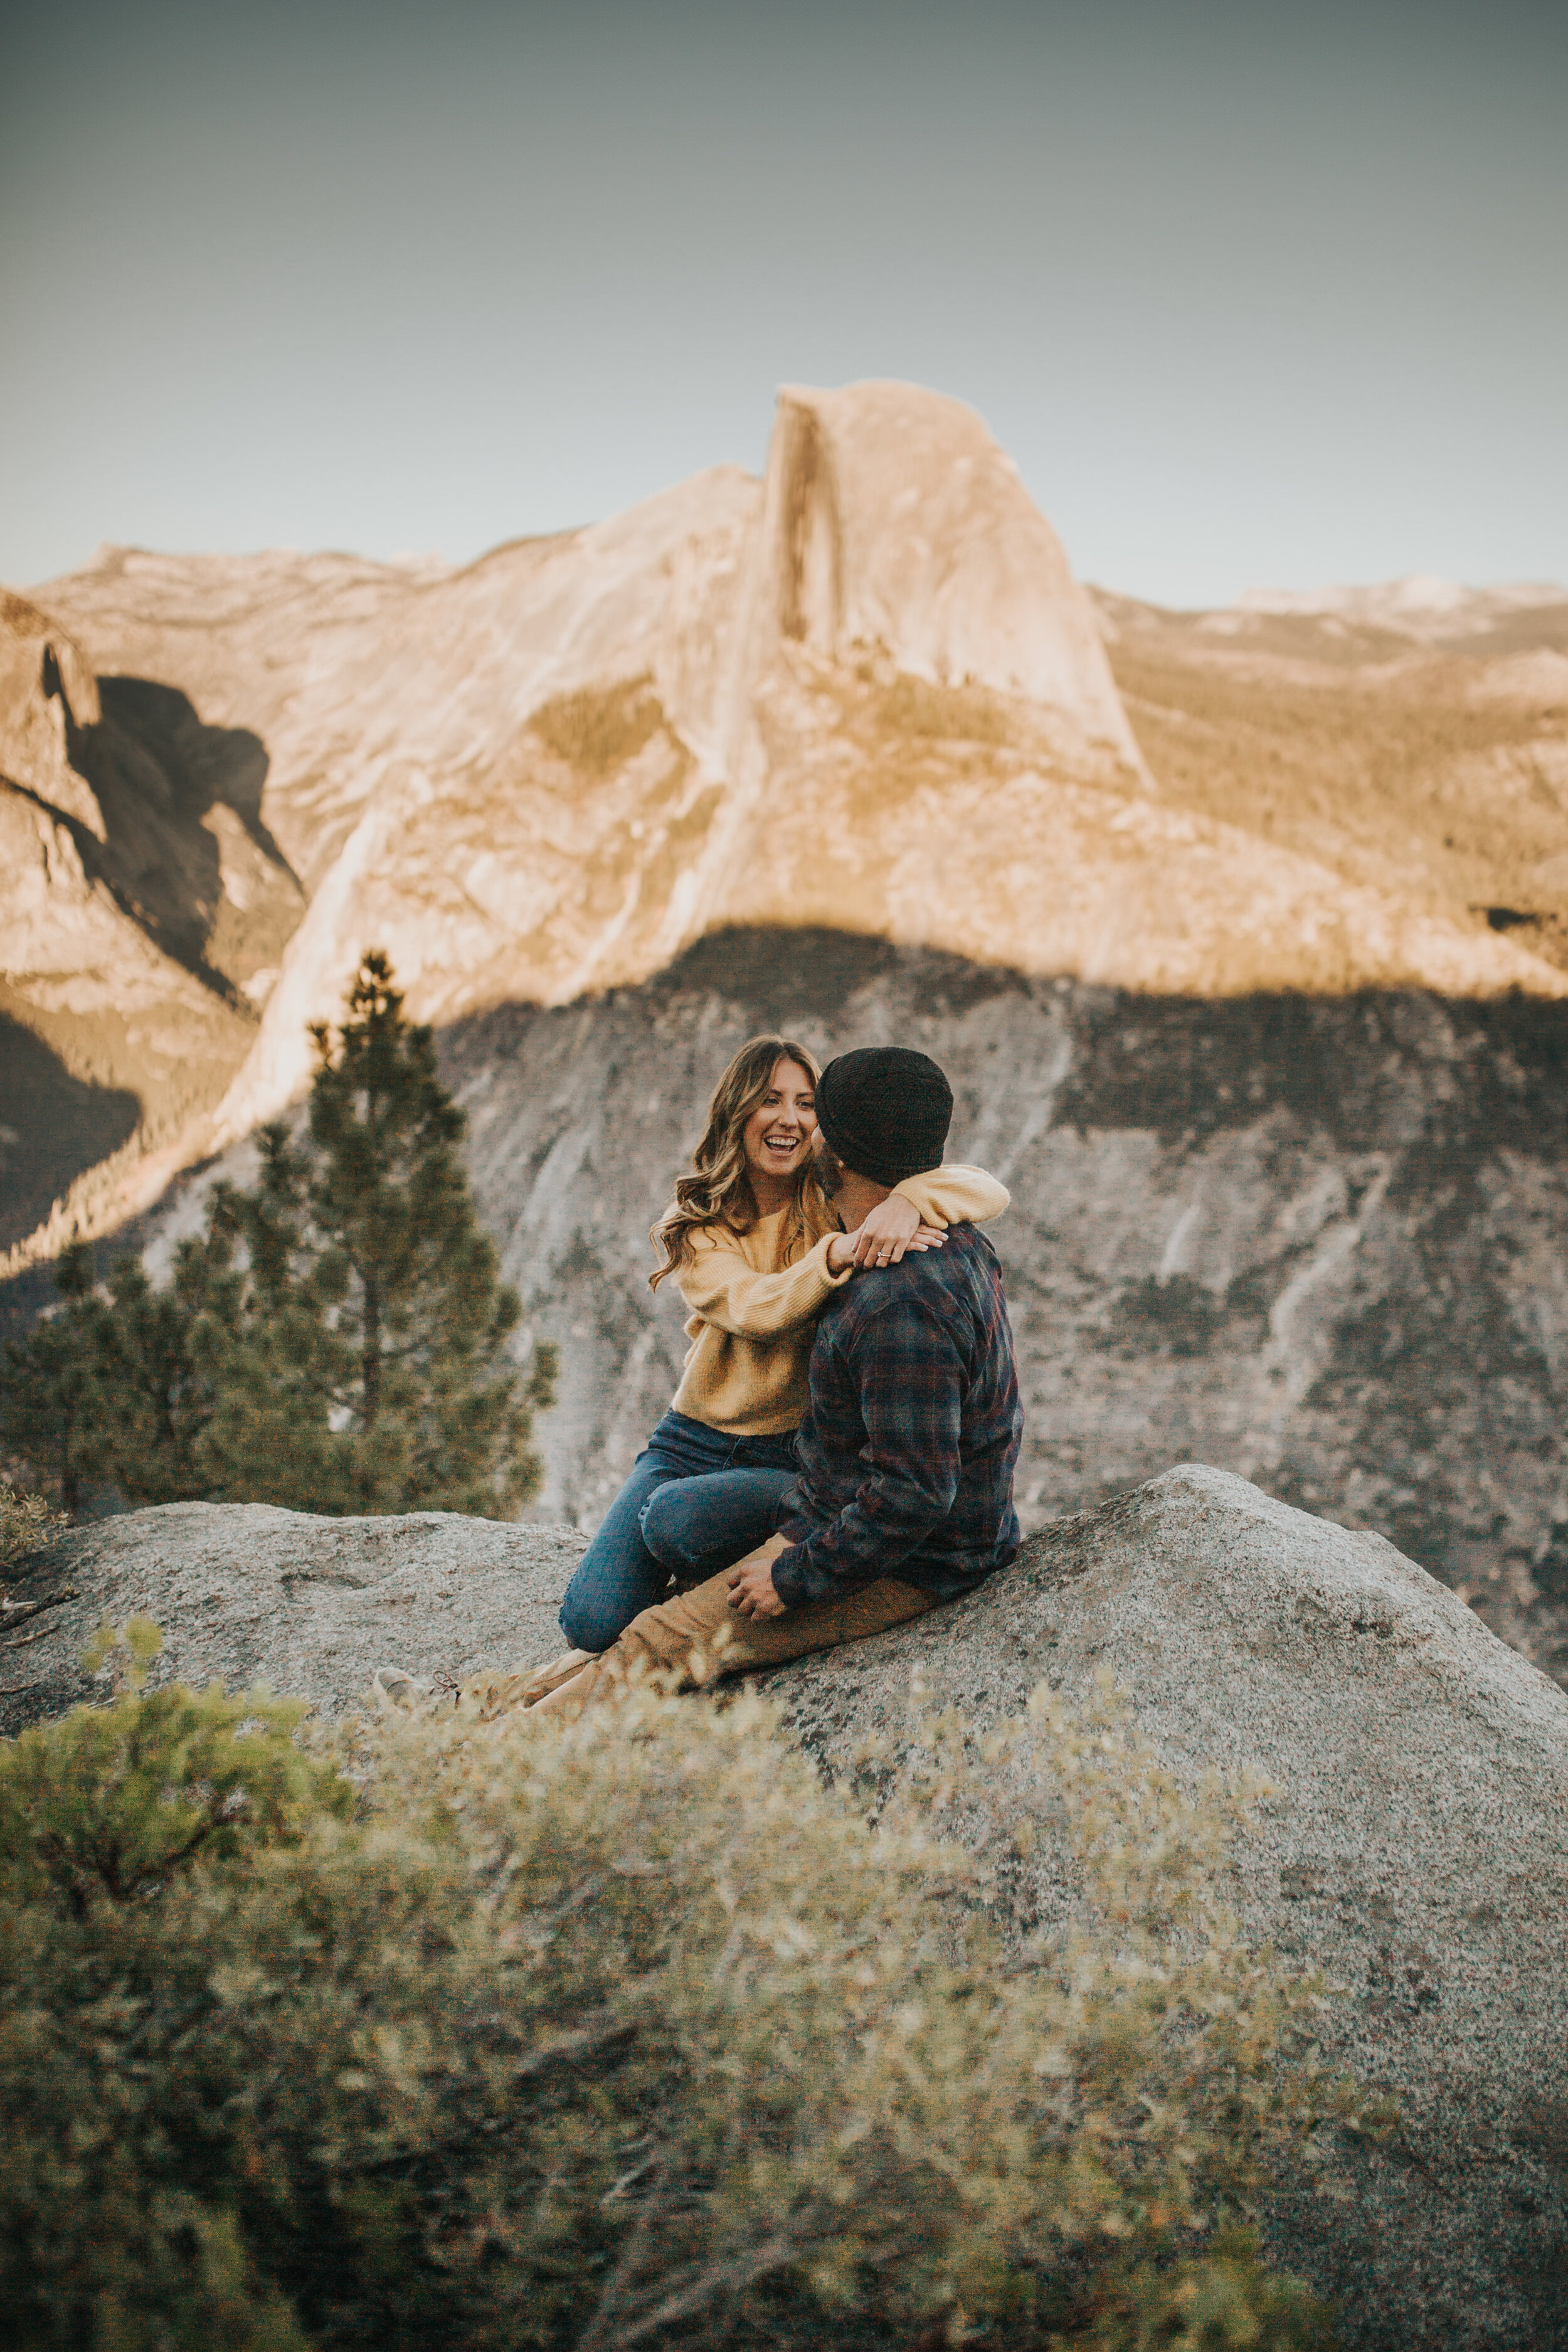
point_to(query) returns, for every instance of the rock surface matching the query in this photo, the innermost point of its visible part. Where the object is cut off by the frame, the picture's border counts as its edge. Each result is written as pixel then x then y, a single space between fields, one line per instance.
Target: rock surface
pixel 311 1606
pixel 1416 1849
pixel 1417 1852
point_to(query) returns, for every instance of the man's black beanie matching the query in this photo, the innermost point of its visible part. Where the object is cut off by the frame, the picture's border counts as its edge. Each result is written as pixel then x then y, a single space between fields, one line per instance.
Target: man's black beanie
pixel 885 1111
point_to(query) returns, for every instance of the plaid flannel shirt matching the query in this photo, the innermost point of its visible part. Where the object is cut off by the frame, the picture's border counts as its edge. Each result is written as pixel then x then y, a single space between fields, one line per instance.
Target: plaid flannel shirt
pixel 906 1454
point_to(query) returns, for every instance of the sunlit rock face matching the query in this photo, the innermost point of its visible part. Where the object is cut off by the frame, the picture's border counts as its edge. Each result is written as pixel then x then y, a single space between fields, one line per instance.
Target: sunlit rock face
pixel 46 685
pixel 864 693
pixel 116 1035
pixel 895 527
pixel 548 773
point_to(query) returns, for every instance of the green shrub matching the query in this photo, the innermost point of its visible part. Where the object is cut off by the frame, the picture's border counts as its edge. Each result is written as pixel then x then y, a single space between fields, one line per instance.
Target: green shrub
pixel 632 2031
pixel 109 1800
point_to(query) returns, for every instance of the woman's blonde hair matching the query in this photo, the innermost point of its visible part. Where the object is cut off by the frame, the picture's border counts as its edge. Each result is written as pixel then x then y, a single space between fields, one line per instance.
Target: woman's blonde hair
pixel 719 1187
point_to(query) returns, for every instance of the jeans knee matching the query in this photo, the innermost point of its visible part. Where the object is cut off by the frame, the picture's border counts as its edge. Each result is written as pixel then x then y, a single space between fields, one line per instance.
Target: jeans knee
pixel 660 1523
pixel 586 1626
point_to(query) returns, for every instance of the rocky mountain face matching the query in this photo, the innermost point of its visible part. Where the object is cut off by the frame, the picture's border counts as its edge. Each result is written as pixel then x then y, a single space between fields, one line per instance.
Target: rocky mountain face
pixel 1410 1848
pixel 865 693
pixel 1321 1242
pixel 140 892
pixel 549 772
pixel 1244 935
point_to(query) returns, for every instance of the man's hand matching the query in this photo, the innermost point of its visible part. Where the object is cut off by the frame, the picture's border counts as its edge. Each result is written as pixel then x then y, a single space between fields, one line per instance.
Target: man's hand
pixel 752 1592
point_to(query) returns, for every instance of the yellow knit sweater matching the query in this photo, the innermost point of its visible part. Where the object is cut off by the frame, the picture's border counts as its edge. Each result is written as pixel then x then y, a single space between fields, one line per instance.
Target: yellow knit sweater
pixel 754 1301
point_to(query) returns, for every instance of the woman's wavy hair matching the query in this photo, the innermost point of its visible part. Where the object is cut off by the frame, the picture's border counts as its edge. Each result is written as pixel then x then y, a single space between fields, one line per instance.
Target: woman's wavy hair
pixel 719 1187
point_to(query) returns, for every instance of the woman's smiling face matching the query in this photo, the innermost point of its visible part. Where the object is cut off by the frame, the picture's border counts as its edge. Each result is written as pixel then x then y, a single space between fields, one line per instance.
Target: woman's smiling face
pixel 776 1139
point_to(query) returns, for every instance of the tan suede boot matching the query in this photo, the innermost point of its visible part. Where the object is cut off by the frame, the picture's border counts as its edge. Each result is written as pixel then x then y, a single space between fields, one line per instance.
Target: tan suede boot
pixel 491 1695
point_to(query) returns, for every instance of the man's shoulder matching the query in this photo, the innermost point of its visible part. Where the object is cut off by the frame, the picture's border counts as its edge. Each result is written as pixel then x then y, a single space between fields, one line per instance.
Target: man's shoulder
pixel 927 1283
pixel 964 1257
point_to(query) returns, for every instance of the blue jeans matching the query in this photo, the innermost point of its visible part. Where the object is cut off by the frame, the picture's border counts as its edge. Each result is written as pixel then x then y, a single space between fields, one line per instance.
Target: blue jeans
pixel 696 1502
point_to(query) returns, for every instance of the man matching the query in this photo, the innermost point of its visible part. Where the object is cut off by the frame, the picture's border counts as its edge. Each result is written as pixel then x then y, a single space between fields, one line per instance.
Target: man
pixel 904 1493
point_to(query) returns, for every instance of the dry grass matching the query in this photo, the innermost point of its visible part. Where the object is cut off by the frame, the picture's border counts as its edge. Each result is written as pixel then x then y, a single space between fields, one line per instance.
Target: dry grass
pixel 26 1524
pixel 965 714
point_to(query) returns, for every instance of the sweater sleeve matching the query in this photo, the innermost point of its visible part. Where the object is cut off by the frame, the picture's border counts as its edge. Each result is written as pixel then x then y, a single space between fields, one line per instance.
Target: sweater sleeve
pixel 719 1284
pixel 956 1195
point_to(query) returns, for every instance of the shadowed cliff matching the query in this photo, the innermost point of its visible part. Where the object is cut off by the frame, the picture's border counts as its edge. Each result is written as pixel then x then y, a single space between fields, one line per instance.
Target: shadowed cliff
pixel 1320 1242
pixel 52 1127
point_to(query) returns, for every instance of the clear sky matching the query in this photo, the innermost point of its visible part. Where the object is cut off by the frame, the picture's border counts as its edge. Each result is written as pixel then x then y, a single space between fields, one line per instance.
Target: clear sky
pixel 1255 294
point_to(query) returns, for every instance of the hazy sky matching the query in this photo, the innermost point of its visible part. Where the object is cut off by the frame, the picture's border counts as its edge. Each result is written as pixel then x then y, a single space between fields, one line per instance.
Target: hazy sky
pixel 1255 294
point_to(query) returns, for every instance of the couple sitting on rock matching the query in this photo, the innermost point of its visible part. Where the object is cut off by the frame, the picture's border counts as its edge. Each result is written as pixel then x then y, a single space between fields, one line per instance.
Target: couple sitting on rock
pixel 840 1454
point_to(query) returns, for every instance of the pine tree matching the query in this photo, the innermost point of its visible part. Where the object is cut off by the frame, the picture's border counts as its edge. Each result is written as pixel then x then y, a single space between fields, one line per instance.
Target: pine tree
pixel 335 1342
pixel 366 1369
pixel 157 1397
pixel 52 1408
pixel 107 1389
pixel 282 1428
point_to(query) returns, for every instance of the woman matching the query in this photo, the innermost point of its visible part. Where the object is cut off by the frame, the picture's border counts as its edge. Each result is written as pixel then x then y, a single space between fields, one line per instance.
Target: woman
pixel 755 1252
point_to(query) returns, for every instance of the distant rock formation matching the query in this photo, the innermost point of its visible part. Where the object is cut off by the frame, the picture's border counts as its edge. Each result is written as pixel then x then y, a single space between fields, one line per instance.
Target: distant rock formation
pixel 596 747
pixel 865 693
pixel 1413 1848
pixel 98 994
pixel 1419 606
pixel 137 890
pixel 47 688
pixel 894 529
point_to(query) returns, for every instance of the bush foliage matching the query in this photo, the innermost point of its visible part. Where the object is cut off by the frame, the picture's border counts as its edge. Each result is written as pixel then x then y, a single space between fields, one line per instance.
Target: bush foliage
pixel 626 2032
pixel 113 1801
